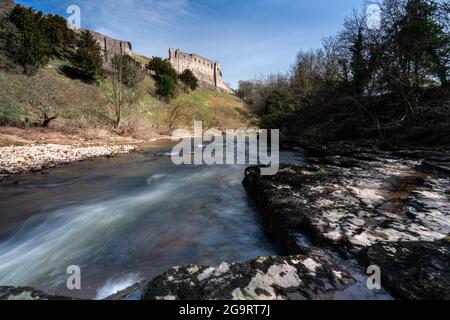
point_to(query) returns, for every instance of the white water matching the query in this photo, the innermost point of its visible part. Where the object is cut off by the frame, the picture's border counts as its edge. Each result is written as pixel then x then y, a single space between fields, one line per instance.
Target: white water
pixel 171 216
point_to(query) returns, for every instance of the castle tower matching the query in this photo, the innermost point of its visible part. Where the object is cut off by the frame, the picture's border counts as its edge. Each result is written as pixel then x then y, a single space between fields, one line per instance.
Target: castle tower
pixel 217 74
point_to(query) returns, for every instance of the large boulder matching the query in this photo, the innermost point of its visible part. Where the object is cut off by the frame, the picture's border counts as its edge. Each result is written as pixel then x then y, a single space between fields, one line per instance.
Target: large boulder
pixel 267 278
pixel 348 204
pixel 358 206
pixel 412 270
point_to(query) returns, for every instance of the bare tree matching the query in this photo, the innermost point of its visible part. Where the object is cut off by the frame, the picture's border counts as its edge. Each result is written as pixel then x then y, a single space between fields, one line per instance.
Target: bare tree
pixel 175 114
pixel 126 89
pixel 42 97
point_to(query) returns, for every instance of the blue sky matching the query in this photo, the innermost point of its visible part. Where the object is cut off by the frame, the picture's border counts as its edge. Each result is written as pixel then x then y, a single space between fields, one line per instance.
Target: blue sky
pixel 249 37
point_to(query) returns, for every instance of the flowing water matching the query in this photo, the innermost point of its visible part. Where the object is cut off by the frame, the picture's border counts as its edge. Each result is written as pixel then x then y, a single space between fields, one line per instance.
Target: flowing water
pixel 123 220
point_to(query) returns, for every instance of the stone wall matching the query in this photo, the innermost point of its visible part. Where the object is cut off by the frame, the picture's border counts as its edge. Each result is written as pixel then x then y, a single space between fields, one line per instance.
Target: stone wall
pixel 111 46
pixel 207 71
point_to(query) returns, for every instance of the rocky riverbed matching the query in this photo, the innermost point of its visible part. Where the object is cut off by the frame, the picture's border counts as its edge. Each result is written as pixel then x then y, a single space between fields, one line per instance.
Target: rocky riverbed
pixel 32 158
pixel 334 217
pixel 383 210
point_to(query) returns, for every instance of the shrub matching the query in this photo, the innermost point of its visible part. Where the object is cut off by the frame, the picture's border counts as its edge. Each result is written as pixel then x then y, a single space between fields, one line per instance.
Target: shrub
pixel 188 78
pixel 165 76
pixel 166 87
pixel 27 45
pixel 87 58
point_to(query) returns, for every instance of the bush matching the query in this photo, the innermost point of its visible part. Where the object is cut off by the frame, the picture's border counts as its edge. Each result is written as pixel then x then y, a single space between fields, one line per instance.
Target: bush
pixel 61 39
pixel 26 44
pixel 166 87
pixel 87 58
pixel 188 78
pixel 165 76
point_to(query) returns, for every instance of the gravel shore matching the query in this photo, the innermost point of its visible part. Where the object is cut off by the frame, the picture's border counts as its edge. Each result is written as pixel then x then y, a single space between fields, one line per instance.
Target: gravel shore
pixel 32 158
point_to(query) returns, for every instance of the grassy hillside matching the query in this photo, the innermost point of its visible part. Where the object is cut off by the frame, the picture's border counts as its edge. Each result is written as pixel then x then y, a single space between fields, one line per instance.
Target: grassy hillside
pixel 82 105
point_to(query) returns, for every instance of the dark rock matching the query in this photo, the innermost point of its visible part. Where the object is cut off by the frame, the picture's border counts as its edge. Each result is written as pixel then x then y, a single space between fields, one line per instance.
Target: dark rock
pixel 369 206
pixel 437 166
pixel 131 293
pixel 283 278
pixel 348 204
pixel 22 293
pixel 412 270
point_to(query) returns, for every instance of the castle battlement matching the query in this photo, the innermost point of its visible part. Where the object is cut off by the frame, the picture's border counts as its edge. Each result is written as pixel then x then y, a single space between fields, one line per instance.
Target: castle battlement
pixel 207 71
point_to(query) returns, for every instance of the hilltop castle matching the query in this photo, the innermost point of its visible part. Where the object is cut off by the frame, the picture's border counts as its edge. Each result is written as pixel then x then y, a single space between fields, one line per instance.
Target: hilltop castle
pixel 207 72
pixel 110 46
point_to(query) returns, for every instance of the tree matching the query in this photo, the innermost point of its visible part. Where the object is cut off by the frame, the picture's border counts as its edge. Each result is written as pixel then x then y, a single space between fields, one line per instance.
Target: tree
pixel 412 44
pixel 132 70
pixel 158 67
pixel 166 87
pixel 87 58
pixel 247 91
pixel 176 112
pixel 165 76
pixel 60 37
pixel 27 45
pixel 126 89
pixel 42 96
pixel 188 78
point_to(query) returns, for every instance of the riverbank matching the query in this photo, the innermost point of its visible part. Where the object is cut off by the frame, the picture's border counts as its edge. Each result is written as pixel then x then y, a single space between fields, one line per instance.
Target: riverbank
pixel 24 150
pixel 374 207
pixel 333 217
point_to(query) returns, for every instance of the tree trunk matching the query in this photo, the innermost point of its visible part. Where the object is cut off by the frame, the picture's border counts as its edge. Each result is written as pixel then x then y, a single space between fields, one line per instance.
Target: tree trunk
pixel 47 121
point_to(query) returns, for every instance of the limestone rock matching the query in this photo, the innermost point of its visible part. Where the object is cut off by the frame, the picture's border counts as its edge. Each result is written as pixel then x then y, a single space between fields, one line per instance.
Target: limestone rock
pixel 267 278
pixel 388 211
pixel 412 270
pixel 348 204
pixel 22 293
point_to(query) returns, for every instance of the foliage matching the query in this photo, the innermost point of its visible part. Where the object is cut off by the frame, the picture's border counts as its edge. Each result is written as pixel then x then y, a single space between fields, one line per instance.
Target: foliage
pixel 188 78
pixel 166 86
pixel 61 39
pixel 359 70
pixel 43 98
pixel 30 38
pixel 131 70
pixel 25 43
pixel 87 58
pixel 126 89
pixel 165 76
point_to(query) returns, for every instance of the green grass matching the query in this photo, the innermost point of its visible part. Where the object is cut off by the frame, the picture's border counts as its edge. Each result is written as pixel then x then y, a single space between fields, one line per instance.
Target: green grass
pixel 87 105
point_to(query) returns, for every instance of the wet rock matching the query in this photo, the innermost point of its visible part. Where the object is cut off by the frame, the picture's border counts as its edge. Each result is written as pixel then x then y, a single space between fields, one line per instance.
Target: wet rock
pixel 268 278
pixel 412 270
pixel 351 203
pixel 439 166
pixel 21 293
pixel 133 292
pixel 348 204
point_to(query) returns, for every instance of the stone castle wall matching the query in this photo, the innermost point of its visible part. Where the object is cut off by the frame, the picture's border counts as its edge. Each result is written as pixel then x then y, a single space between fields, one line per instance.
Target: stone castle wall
pixel 111 46
pixel 207 71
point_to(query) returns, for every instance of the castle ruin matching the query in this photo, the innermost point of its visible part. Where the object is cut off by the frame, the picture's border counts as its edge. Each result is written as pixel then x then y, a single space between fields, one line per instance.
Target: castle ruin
pixel 207 72
pixel 110 46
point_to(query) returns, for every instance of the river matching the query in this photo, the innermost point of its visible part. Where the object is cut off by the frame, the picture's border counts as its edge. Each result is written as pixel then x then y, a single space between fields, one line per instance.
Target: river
pixel 123 220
